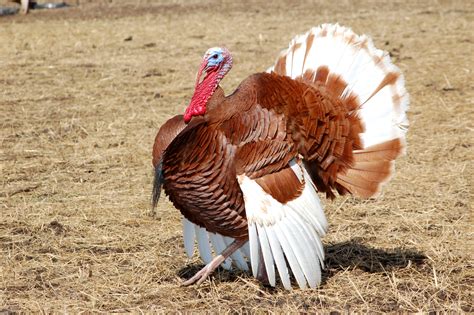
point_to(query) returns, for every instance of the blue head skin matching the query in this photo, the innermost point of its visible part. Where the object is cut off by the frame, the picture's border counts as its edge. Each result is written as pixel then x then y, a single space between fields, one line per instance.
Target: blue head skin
pixel 214 57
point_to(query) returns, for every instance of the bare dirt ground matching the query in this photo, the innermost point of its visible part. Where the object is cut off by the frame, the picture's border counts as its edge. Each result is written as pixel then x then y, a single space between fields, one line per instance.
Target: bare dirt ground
pixel 83 92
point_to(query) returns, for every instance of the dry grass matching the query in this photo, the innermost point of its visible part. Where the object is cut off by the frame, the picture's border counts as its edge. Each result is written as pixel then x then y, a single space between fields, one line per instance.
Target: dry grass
pixel 79 108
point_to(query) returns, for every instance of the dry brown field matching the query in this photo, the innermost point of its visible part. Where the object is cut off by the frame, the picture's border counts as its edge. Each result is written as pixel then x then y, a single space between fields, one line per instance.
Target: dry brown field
pixel 83 91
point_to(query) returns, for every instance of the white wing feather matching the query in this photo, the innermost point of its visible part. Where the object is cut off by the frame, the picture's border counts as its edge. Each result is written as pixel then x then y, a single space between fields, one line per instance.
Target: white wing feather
pixel 279 257
pixel 267 254
pixel 290 231
pixel 237 256
pixel 254 249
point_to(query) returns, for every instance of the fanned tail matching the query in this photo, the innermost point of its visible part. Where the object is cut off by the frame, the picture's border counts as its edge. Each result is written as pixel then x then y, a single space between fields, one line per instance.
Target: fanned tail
pixel 371 88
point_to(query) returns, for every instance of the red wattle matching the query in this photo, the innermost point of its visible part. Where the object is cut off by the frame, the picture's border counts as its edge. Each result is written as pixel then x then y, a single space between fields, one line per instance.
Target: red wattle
pixel 187 116
pixel 202 94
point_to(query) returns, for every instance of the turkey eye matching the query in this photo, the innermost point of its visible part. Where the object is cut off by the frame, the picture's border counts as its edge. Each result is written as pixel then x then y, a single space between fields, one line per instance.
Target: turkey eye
pixel 215 56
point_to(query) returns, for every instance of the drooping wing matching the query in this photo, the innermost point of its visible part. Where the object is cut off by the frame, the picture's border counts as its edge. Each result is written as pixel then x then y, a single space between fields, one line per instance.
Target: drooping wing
pixel 284 212
pixel 201 166
pixel 285 217
pixel 286 223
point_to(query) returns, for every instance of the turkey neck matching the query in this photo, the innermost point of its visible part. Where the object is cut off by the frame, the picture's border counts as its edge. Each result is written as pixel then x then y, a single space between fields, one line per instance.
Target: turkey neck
pixel 216 98
pixel 221 107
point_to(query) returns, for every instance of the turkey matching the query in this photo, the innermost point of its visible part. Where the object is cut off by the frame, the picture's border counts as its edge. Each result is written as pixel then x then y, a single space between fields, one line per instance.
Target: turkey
pixel 245 170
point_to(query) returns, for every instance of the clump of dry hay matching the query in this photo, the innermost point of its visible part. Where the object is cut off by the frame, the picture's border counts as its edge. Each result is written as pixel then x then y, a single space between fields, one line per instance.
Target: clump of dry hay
pixel 79 110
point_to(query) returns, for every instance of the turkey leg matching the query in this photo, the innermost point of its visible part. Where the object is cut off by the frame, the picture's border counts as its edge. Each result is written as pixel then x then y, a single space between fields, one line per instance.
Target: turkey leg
pixel 199 277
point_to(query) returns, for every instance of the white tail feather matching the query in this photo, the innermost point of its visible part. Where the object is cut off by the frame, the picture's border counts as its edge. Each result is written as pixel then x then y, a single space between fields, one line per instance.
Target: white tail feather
pixel 219 246
pixel 203 244
pixel 211 244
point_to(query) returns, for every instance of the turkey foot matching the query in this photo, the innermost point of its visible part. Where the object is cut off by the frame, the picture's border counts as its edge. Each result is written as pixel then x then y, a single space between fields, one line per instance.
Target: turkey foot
pixel 201 275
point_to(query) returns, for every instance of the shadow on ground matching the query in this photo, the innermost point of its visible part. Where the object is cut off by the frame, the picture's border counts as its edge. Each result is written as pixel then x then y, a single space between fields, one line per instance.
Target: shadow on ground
pixel 341 256
pixel 355 254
